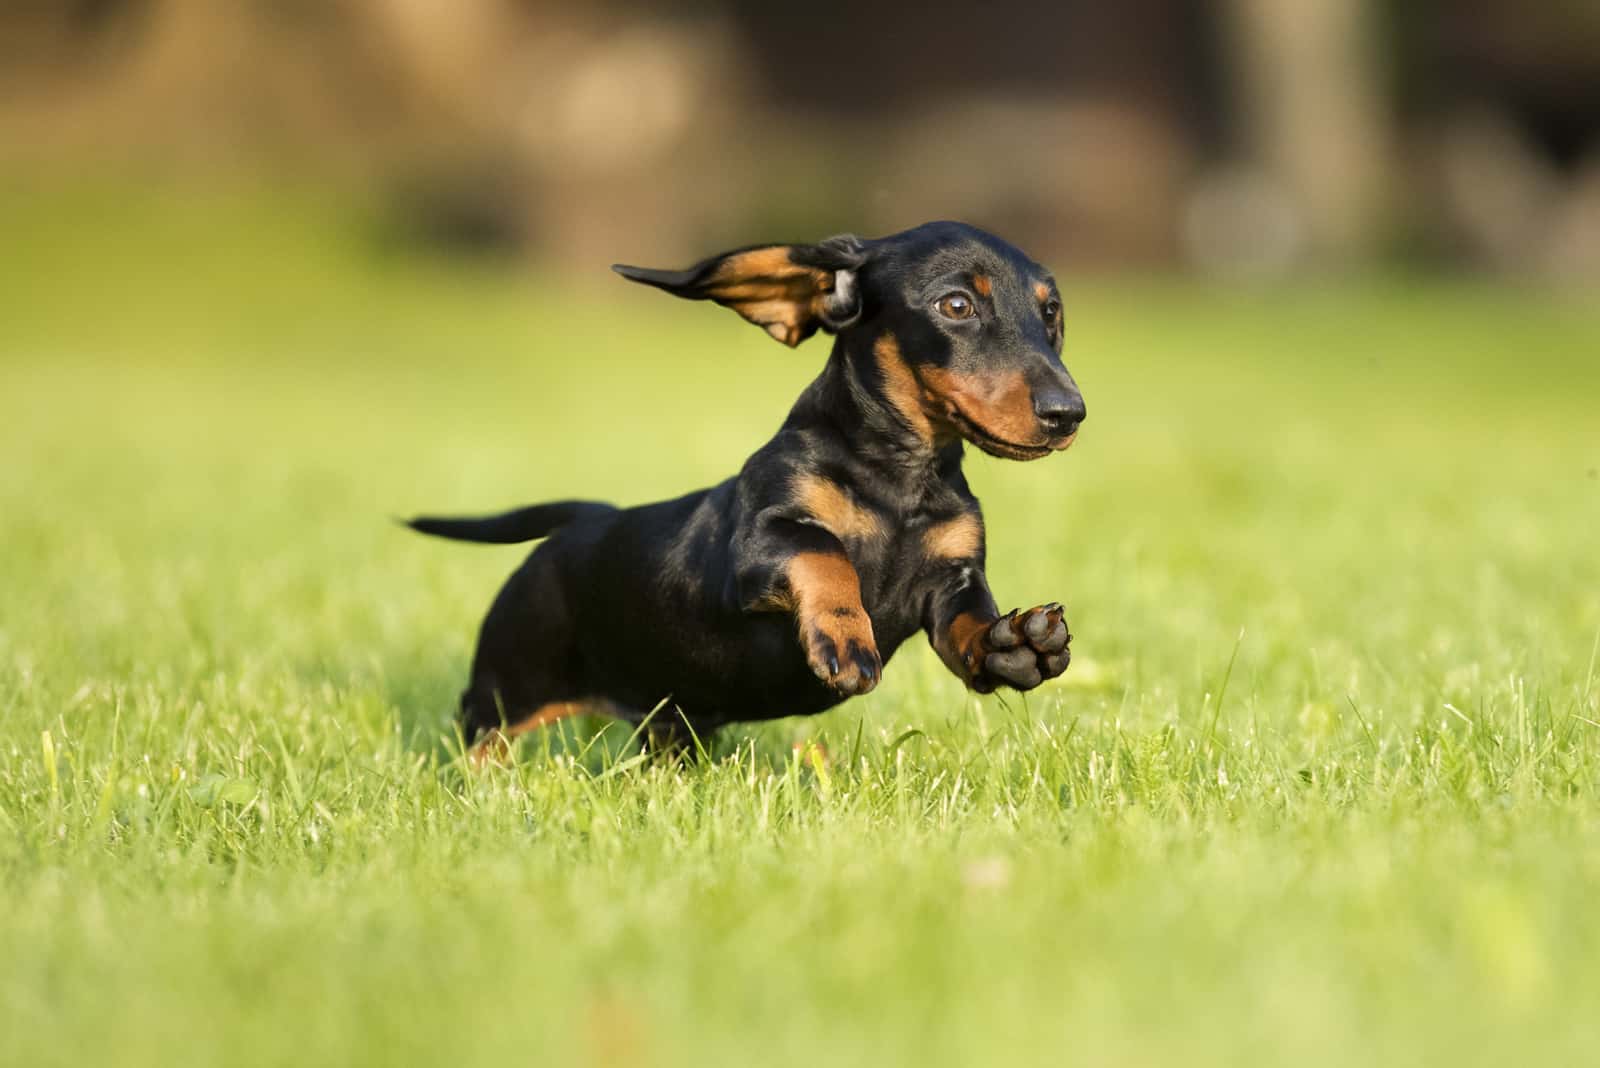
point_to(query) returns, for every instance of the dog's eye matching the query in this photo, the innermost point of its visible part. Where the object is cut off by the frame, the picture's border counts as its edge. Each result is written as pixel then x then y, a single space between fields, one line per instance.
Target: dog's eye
pixel 956 306
pixel 1052 311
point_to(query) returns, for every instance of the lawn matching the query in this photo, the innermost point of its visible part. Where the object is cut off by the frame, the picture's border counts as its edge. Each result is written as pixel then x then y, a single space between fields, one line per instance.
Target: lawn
pixel 1321 787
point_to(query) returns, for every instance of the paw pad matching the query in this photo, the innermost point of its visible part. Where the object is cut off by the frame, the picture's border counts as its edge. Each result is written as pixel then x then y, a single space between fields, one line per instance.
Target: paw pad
pixel 1024 648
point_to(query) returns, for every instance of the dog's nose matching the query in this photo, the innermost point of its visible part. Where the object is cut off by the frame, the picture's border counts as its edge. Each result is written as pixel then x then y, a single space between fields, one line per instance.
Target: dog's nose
pixel 1059 411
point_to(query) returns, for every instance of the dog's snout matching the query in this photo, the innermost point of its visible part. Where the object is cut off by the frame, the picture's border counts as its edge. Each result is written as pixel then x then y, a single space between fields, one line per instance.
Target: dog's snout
pixel 1058 410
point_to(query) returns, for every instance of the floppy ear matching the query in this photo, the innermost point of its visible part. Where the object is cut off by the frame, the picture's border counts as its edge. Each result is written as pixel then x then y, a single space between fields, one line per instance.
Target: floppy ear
pixel 791 290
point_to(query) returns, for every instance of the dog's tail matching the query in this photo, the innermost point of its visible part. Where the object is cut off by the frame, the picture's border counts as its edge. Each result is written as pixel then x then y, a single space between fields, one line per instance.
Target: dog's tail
pixel 508 528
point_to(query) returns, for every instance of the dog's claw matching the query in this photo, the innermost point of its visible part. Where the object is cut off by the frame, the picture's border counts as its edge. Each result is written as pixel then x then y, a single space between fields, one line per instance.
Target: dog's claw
pixel 1037 625
pixel 854 669
pixel 867 664
pixel 1023 648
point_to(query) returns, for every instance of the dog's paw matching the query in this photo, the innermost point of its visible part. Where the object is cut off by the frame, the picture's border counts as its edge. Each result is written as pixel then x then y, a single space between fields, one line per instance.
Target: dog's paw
pixel 842 653
pixel 1023 648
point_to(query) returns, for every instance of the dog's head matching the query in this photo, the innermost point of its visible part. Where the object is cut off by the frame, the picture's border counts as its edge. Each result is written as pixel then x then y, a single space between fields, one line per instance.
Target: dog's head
pixel 963 330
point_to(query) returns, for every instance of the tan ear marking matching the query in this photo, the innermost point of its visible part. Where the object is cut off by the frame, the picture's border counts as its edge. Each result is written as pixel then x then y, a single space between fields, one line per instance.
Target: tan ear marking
pixel 769 289
pixel 772 262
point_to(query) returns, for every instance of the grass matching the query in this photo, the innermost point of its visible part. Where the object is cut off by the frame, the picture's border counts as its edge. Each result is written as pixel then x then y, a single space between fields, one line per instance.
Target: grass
pixel 1320 788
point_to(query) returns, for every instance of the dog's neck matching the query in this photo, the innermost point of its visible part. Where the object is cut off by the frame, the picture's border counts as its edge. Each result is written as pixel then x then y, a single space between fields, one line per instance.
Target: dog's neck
pixel 849 395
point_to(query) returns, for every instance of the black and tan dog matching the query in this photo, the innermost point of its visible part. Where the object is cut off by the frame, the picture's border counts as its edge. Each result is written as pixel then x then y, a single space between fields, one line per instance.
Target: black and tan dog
pixel 785 589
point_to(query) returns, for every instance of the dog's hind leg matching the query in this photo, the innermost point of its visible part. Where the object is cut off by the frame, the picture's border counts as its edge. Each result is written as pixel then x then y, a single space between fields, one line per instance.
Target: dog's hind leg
pixel 668 735
pixel 496 743
pixel 521 673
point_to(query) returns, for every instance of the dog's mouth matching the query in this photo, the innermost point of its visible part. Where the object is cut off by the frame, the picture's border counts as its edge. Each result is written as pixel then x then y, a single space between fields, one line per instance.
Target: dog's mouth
pixel 1006 450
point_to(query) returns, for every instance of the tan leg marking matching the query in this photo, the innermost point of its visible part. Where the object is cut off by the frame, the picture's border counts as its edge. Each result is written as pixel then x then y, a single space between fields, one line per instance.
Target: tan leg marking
pixel 496 745
pixel 825 596
pixel 961 645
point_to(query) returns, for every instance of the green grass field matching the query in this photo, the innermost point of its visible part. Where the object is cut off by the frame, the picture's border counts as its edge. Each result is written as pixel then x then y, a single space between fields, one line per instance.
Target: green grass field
pixel 1322 786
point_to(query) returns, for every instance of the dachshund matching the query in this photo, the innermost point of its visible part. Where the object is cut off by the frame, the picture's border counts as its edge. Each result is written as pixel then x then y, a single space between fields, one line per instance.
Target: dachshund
pixel 786 589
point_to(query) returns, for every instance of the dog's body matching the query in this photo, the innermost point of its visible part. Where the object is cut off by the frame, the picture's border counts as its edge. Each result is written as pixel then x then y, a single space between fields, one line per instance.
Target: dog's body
pixel 784 590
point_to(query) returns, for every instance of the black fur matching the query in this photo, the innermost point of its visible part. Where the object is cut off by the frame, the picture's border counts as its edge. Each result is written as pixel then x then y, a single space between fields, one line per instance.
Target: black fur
pixel 510 528
pixel 712 602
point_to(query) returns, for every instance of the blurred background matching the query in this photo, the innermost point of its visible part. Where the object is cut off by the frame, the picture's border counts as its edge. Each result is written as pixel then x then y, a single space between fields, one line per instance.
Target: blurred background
pixel 1245 138
pixel 1319 788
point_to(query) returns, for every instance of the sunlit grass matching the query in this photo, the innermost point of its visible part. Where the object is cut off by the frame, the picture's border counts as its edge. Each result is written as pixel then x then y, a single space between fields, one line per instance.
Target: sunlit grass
pixel 1320 787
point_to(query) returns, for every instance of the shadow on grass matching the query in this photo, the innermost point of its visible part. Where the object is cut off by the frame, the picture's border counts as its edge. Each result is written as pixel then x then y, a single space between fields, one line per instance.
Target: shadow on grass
pixel 422 686
pixel 423 689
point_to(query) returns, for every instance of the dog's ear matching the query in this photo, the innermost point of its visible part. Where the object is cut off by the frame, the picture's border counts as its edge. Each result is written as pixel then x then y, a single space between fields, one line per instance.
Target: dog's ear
pixel 790 290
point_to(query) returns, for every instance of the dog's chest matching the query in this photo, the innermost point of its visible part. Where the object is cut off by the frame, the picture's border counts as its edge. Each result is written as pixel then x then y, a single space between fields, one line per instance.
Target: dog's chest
pixel 894 573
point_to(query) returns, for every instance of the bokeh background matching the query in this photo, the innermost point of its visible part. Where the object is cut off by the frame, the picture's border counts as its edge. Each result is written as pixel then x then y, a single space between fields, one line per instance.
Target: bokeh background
pixel 1237 137
pixel 1321 787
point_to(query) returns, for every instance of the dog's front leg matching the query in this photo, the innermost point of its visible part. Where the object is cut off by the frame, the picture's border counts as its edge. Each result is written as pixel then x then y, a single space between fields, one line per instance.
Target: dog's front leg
pixel 800 568
pixel 985 649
